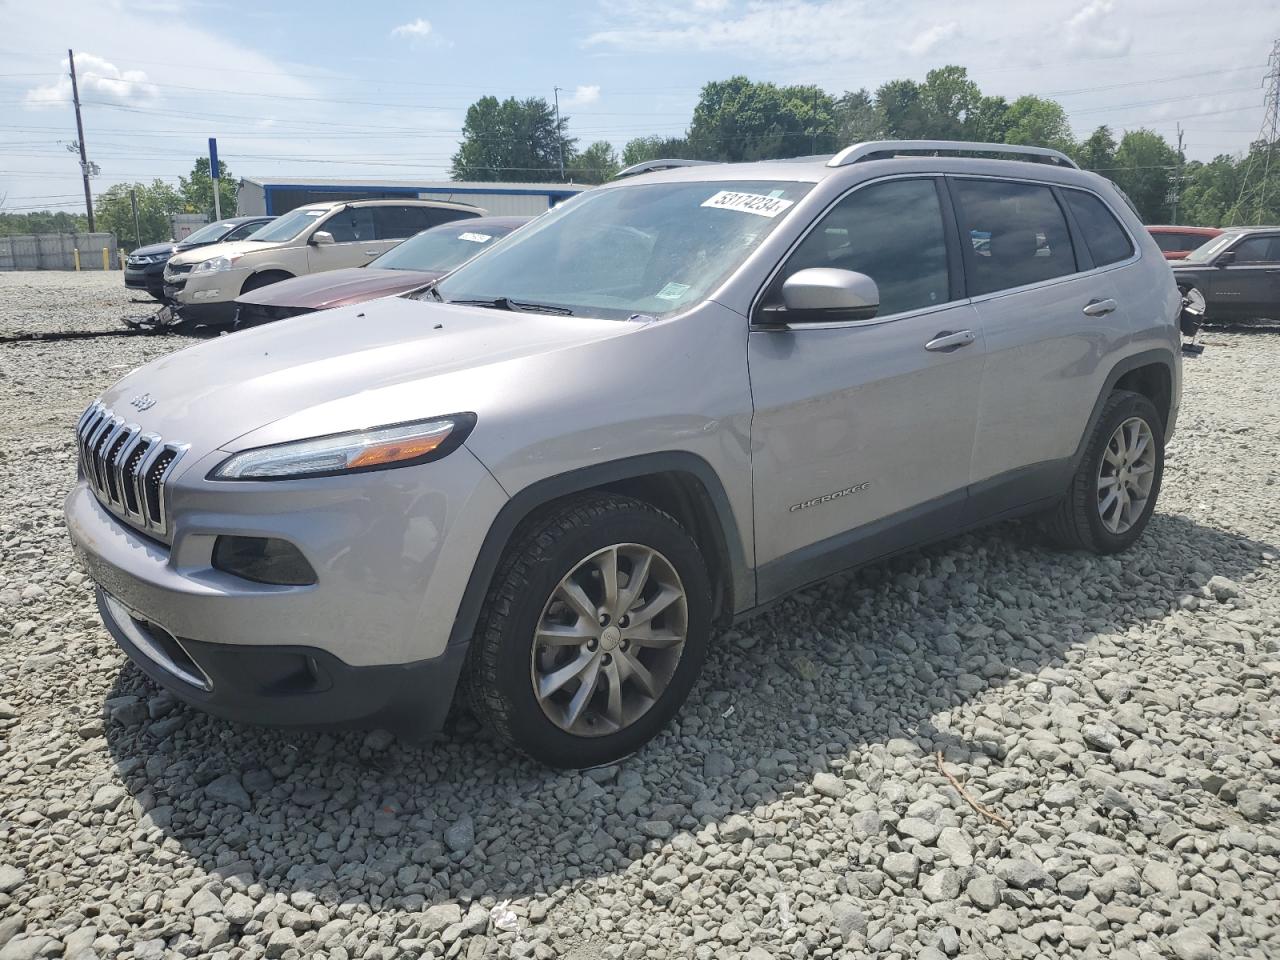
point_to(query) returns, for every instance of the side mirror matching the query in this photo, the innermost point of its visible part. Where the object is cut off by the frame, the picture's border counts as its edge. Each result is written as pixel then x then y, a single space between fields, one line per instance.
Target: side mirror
pixel 825 294
pixel 321 238
pixel 1225 259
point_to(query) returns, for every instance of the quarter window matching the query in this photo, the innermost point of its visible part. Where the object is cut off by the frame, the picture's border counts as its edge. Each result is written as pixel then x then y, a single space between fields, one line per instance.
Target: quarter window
pixel 1258 250
pixel 395 223
pixel 893 232
pixel 1105 238
pixel 1016 234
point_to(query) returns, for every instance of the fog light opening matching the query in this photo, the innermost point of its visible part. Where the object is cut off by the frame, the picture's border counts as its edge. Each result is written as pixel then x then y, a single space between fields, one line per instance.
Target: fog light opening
pixel 263 560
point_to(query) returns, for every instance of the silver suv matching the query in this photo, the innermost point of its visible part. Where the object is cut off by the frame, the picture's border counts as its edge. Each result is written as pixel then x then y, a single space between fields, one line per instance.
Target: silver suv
pixel 657 408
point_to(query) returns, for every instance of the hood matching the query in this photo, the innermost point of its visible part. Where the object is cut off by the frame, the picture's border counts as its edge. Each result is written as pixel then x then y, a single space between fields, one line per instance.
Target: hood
pixel 152 250
pixel 343 369
pixel 196 254
pixel 337 288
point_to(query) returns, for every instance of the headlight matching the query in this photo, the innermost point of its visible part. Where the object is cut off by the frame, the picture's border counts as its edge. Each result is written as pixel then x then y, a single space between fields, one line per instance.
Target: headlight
pixel 214 264
pixel 400 445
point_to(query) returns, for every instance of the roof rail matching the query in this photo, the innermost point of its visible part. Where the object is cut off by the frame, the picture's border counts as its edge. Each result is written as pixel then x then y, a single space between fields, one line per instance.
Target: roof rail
pixel 884 149
pixel 648 166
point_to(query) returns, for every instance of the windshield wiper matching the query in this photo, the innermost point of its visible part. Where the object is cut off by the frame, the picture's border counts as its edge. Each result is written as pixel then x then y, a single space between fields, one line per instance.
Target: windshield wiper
pixel 431 289
pixel 516 306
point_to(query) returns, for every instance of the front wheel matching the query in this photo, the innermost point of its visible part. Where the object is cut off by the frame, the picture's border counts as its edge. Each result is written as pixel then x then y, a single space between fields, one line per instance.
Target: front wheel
pixel 1113 492
pixel 593 633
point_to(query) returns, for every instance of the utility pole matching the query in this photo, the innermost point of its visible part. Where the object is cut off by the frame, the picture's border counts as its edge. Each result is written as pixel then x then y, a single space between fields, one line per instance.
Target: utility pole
pixel 1177 179
pixel 84 160
pixel 559 135
pixel 217 183
pixel 137 230
pixel 1270 123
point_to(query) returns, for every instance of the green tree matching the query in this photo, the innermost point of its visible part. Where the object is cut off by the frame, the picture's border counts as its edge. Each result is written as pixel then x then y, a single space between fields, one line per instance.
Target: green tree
pixel 1097 151
pixel 596 164
pixel 43 221
pixel 1036 122
pixel 902 112
pixel 655 148
pixel 738 119
pixel 989 120
pixel 197 189
pixel 1254 188
pixel 856 118
pixel 1144 163
pixel 512 140
pixel 949 101
pixel 156 203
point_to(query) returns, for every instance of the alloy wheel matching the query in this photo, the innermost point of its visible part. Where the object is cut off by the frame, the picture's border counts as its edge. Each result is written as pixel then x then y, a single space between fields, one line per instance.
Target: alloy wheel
pixel 609 639
pixel 1125 475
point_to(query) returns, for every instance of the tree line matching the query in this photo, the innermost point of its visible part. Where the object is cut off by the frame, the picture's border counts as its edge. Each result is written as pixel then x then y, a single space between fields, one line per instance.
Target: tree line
pixel 157 202
pixel 740 120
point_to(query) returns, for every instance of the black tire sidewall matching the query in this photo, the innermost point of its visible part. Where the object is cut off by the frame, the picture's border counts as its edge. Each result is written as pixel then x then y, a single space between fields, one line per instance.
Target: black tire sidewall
pixel 1128 405
pixel 530 728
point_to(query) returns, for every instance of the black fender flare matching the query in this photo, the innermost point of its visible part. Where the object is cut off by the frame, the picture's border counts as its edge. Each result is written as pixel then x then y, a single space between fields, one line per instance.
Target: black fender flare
pixel 549 489
pixel 1125 365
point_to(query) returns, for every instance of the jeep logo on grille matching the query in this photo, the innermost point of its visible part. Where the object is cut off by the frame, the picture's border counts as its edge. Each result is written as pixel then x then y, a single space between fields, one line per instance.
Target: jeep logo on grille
pixel 142 401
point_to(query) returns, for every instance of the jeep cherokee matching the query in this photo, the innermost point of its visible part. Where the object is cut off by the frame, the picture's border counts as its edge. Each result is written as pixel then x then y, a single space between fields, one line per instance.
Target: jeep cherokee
pixel 668 402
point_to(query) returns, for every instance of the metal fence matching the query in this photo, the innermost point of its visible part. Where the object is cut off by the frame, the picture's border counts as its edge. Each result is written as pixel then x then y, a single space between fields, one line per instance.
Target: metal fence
pixel 57 251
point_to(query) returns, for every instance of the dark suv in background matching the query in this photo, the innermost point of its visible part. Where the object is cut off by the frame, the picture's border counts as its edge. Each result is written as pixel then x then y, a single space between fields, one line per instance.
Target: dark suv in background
pixel 144 267
pixel 1235 276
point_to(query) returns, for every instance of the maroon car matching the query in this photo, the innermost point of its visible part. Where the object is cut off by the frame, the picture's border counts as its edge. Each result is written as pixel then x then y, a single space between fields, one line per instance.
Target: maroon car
pixel 424 257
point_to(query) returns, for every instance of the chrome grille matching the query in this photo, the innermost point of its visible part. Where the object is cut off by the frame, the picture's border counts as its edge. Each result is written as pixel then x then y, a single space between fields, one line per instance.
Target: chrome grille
pixel 172 268
pixel 127 468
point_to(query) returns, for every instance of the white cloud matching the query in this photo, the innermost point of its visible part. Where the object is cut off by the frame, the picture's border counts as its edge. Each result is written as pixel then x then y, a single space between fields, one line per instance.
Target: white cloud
pixel 415 29
pixel 583 95
pixel 97 79
pixel 927 41
pixel 1094 31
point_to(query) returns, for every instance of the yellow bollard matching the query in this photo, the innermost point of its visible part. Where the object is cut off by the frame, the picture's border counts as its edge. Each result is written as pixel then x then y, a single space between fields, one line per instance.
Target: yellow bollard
pixel 106 259
pixel 120 254
pixel 76 253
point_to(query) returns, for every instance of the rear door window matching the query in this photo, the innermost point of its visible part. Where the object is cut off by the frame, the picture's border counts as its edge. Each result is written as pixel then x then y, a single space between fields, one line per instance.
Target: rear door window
pixel 1105 238
pixel 1016 234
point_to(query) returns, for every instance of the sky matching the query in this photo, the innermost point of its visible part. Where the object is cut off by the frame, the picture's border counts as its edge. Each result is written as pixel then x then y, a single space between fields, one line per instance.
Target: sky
pixel 379 90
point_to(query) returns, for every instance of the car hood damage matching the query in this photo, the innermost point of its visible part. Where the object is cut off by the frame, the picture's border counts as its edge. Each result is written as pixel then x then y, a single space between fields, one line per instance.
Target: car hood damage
pixel 336 288
pixel 344 369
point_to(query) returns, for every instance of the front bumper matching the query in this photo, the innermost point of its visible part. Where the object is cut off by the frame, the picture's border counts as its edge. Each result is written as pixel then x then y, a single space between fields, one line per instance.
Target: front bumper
pixel 205 298
pixel 288 685
pixel 367 643
pixel 149 277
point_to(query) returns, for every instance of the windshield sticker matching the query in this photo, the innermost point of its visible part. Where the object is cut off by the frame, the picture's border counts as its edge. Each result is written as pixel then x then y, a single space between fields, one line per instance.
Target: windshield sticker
pixel 475 237
pixel 756 203
pixel 672 291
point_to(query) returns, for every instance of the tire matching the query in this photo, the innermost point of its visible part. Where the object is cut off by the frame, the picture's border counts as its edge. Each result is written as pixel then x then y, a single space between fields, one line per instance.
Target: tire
pixel 259 280
pixel 570 545
pixel 1087 518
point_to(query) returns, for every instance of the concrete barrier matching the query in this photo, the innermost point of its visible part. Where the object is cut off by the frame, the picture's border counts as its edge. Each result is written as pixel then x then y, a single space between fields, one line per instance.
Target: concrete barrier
pixel 57 251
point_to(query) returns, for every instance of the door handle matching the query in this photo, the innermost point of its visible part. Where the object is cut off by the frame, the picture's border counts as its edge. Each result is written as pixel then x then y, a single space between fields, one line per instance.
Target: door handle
pixel 946 341
pixel 371 253
pixel 1099 308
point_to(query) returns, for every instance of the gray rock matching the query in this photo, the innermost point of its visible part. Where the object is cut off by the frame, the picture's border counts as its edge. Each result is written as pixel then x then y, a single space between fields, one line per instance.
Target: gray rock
pixel 238 909
pixel 11 878
pixel 280 941
pixel 716 765
pixel 1192 944
pixel 1223 589
pixel 1253 805
pixel 920 830
pixel 829 785
pixel 1223 706
pixel 736 828
pixel 7 710
pixel 259 781
pixel 657 829
pixel 378 740
pixel 461 834
pixel 941 885
pixel 106 797
pixel 227 789
pixel 1022 874
pixel 847 917
pixel 27 948
pixel 902 867
pixel 440 917
pixel 983 891
pixel 1160 877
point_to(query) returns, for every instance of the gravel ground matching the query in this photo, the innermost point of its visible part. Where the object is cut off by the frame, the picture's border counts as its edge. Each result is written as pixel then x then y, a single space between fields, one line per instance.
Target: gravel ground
pixel 1115 719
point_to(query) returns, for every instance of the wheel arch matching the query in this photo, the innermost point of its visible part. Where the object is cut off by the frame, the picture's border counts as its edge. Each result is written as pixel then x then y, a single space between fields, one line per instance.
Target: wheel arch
pixel 278 272
pixel 679 483
pixel 1150 373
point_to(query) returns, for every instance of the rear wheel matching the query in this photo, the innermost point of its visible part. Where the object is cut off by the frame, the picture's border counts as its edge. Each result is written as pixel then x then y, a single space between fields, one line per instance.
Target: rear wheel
pixel 1113 492
pixel 593 633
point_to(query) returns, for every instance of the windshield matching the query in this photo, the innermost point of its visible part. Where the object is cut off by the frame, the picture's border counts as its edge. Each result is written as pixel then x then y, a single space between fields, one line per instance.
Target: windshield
pixel 288 226
pixel 1210 249
pixel 210 233
pixel 440 248
pixel 649 249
